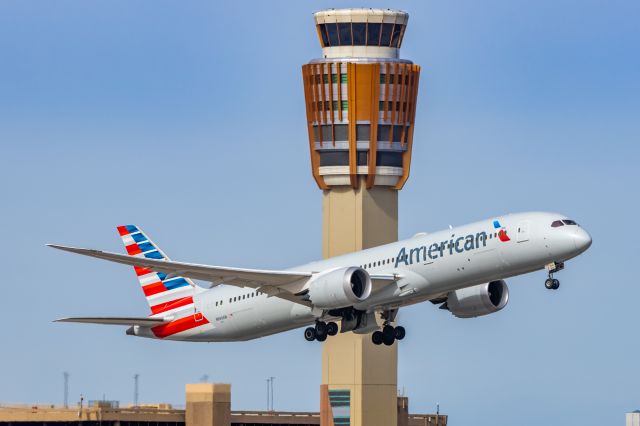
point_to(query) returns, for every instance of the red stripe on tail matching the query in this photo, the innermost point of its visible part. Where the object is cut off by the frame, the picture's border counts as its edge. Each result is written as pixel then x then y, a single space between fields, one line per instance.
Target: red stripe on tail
pixel 133 249
pixel 142 271
pixel 155 288
pixel 163 307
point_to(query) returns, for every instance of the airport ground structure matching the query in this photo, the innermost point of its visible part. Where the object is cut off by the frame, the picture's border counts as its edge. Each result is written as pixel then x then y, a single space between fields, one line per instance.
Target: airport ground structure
pixel 207 404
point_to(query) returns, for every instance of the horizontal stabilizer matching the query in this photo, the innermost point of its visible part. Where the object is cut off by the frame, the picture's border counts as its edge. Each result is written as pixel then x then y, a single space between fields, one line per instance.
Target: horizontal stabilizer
pixel 141 321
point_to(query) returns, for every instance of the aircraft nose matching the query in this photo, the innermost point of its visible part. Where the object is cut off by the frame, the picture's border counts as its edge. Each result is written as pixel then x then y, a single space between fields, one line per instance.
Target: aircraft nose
pixel 582 239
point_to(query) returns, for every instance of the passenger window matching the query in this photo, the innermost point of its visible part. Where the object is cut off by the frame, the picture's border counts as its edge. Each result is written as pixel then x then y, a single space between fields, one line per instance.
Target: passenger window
pixel 557 223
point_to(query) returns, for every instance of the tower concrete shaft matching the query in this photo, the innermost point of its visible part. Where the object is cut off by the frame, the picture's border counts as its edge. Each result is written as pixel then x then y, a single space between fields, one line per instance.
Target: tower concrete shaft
pixel 361 103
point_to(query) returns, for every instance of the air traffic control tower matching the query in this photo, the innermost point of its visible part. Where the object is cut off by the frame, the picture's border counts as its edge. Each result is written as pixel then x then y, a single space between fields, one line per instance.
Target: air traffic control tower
pixel 361 103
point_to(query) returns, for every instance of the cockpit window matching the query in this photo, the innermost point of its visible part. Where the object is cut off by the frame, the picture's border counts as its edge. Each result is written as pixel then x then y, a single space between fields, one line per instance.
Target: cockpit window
pixel 557 223
pixel 569 222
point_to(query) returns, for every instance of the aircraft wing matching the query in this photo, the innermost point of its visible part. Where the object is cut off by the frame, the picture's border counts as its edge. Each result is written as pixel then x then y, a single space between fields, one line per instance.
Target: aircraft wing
pixel 283 284
pixel 145 321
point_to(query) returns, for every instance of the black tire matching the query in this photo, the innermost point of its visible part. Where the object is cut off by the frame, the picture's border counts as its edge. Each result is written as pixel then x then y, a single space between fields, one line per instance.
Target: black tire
pixel 388 340
pixel 332 329
pixel 376 337
pixel 321 337
pixel 321 329
pixel 548 284
pixel 310 334
pixel 388 335
pixel 556 284
pixel 400 332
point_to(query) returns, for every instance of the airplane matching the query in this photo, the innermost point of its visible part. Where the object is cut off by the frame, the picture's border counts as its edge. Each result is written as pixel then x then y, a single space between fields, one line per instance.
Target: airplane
pixel 461 269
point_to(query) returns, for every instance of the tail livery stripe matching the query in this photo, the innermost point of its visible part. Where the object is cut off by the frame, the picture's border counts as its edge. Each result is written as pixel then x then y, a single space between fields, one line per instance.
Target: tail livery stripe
pixel 155 288
pixel 179 325
pixel 164 307
pixel 162 293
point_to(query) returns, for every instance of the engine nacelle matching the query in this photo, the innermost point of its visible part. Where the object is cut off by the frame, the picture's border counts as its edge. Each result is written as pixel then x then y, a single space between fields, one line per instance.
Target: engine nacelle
pixel 340 288
pixel 478 300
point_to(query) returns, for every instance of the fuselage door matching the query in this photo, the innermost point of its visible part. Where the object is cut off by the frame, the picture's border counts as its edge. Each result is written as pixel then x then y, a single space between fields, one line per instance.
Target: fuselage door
pixel 523 231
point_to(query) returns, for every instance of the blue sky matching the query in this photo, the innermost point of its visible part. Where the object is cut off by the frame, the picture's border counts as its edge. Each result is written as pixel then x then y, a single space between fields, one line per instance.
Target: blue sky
pixel 187 119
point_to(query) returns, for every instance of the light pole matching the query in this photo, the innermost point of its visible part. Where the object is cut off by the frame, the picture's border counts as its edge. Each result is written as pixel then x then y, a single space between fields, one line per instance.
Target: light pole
pixel 272 378
pixel 66 389
pixel 135 389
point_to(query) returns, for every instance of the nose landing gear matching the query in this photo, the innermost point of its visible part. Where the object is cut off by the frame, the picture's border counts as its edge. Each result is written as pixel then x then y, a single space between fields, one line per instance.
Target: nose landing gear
pixel 552 283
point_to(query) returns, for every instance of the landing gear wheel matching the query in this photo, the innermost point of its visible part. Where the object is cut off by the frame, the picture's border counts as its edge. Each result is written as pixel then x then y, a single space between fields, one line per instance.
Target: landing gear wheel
pixel 321 337
pixel 400 332
pixel 548 283
pixel 376 337
pixel 552 284
pixel 310 334
pixel 332 329
pixel 388 335
pixel 321 328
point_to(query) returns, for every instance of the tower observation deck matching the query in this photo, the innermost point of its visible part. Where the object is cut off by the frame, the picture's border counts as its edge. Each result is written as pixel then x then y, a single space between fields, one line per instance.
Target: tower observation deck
pixel 360 99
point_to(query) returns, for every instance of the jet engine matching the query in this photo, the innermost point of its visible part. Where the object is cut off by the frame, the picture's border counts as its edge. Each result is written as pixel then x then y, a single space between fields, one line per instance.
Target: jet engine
pixel 339 288
pixel 478 300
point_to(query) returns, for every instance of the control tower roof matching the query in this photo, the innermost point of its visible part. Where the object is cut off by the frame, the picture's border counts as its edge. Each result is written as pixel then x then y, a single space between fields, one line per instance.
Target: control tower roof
pixel 361 32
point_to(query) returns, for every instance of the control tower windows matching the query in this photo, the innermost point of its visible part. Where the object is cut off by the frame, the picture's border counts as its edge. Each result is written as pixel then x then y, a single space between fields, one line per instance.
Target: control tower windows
pixel 385 38
pixel 323 34
pixel 344 31
pixel 332 30
pixel 373 34
pixel 341 132
pixel 395 37
pixel 334 158
pixel 384 130
pixel 361 34
pixel 362 132
pixel 389 158
pixel 359 30
pixel 323 133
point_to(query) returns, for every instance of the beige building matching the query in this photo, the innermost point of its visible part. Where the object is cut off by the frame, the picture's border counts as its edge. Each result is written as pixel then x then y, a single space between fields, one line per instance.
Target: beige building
pixel 206 405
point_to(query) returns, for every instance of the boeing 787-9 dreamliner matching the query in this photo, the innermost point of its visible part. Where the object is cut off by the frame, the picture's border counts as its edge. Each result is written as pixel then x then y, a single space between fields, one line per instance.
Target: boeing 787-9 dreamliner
pixel 461 269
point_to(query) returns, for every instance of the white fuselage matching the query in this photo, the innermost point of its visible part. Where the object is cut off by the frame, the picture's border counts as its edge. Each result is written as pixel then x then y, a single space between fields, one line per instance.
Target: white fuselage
pixel 429 266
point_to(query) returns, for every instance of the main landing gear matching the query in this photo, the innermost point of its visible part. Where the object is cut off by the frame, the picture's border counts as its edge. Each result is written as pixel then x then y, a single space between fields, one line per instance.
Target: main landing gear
pixel 388 335
pixel 321 331
pixel 551 283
